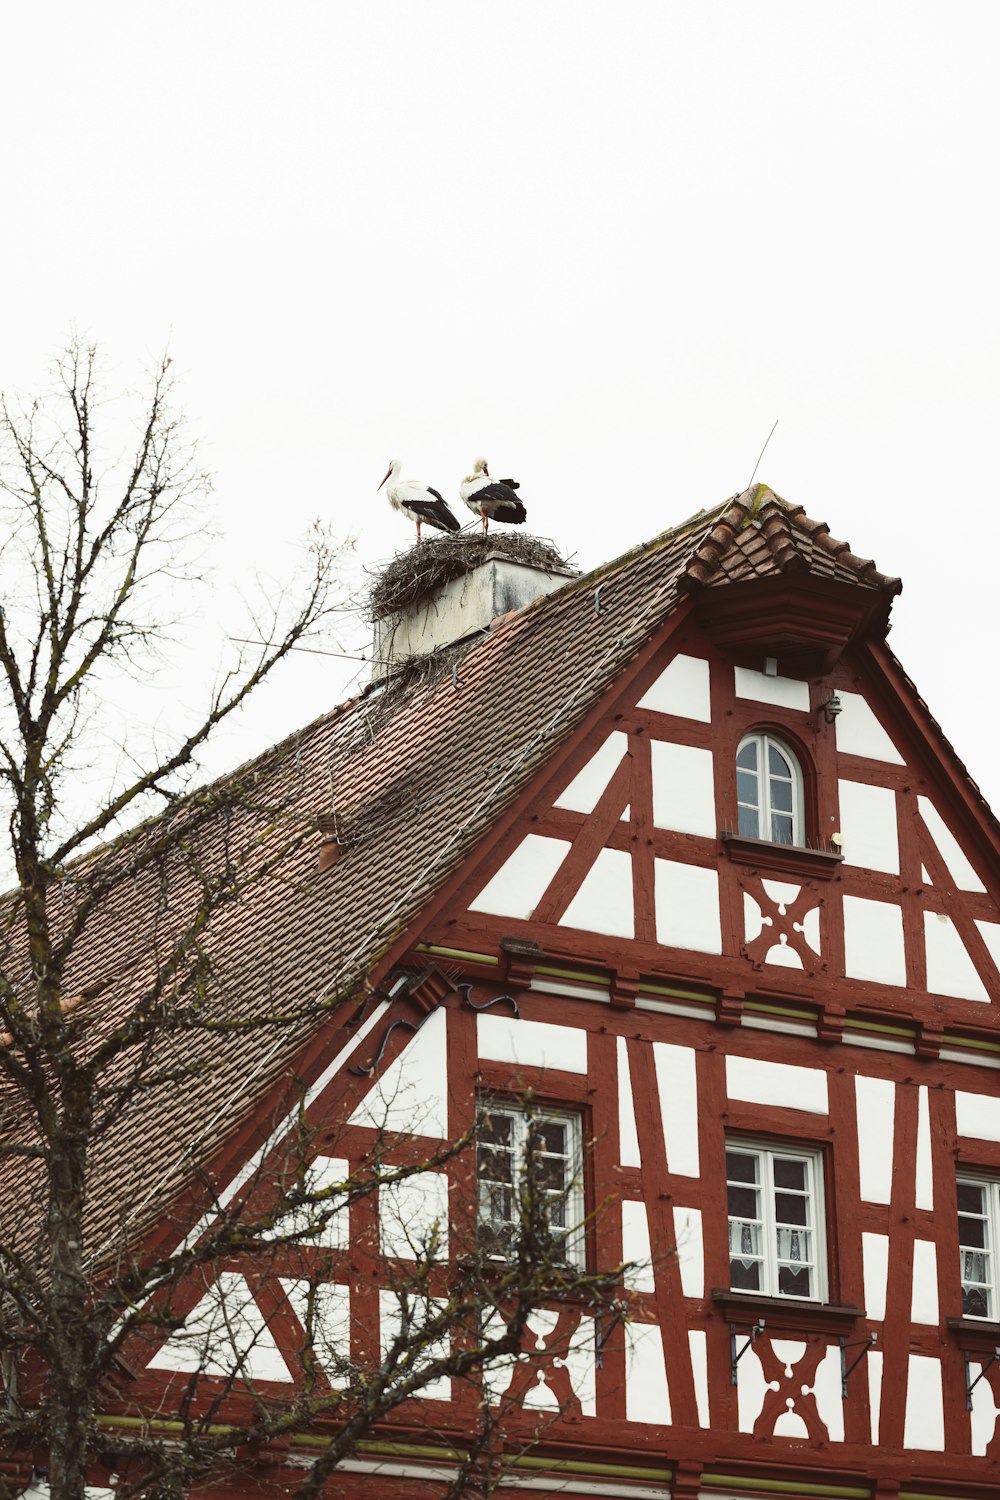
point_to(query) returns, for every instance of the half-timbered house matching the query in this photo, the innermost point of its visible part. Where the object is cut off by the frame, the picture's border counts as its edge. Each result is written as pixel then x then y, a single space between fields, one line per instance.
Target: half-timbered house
pixel 677 853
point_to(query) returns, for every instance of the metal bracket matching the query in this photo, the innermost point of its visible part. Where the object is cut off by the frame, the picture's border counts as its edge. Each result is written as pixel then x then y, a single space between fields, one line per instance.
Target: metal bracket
pixel 601 1335
pixel 735 1355
pixel 489 1004
pixel 969 1388
pixel 847 1370
pixel 396 1025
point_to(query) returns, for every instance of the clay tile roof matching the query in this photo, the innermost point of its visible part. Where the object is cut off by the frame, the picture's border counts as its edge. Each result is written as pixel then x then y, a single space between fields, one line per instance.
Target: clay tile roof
pixel 760 535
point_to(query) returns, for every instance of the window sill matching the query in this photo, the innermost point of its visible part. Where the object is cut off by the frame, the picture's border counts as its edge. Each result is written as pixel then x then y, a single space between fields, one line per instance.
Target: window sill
pixel 979 1335
pixel 786 1313
pixel 790 859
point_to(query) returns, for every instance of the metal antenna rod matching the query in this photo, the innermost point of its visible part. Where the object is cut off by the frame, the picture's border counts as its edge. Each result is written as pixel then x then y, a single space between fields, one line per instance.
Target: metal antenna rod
pixel 762 452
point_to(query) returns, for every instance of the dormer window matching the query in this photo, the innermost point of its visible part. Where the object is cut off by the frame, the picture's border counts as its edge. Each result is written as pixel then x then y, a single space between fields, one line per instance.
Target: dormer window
pixel 768 790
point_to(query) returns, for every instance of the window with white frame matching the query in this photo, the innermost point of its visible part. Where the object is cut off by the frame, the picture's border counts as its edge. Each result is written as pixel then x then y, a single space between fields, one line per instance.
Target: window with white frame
pixel 777 1245
pixel 978 1222
pixel 768 790
pixel 513 1140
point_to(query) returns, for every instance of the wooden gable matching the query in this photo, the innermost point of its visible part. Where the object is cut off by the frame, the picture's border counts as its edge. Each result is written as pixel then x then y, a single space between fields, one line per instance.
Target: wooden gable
pixel 629 853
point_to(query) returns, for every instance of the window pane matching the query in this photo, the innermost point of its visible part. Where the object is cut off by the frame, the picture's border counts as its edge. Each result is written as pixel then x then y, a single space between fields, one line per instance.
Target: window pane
pixel 495 1165
pixel 550 1174
pixel 744 1276
pixel 749 823
pixel 781 828
pixel 781 796
pixel 777 764
pixel 549 1135
pixel 975 1302
pixel 793 1283
pixel 975 1267
pixel 740 1167
pixel 744 1239
pixel 790 1172
pixel 746 788
pixel 973 1232
pixel 794 1245
pixel 747 756
pixel 791 1208
pixel 495 1127
pixel 743 1202
pixel 970 1198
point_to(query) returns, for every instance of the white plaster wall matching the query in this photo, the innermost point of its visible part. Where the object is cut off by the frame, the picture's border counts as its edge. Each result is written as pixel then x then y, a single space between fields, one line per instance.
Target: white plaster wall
pixel 578 1359
pixel 628 1136
pixel 591 781
pixel 413 1217
pixel 581 1366
pixel 322 1173
pixel 782 892
pixel 950 970
pixel 435 1390
pixel 782 1084
pixel 690 1249
pixel 753 918
pixel 984 1413
pixel 635 1246
pixel 330 1332
pixel 873 941
pixel 811 930
pixel 687 907
pixel 224 1334
pixel 875 1258
pixel 523 878
pixel 977 1115
pixel 677 1085
pixel 605 902
pixel 682 688
pixel 925 1160
pixel 990 934
pixel 860 733
pixel 751 1388
pixel 876 1102
pixel 924 1296
pixel 698 1346
pixel 826 1389
pixel 532 1044
pixel 683 788
pixel 784 957
pixel 646 1396
pixel 868 826
pixel 411 1096
pixel 873 1361
pixel 949 848
pixel 784 692
pixel 924 1423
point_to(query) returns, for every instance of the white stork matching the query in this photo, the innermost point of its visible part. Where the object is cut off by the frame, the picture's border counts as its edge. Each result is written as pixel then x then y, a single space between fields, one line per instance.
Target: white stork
pixel 491 499
pixel 418 501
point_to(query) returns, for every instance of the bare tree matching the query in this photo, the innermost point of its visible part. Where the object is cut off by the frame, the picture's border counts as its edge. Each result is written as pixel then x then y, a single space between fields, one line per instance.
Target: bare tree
pixel 87 1293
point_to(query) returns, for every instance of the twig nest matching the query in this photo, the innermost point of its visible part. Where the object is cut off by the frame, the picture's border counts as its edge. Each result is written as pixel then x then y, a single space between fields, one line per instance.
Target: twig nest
pixel 426 568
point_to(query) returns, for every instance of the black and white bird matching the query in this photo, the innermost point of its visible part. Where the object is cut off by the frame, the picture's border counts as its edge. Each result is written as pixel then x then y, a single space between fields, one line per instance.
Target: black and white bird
pixel 418 501
pixel 492 499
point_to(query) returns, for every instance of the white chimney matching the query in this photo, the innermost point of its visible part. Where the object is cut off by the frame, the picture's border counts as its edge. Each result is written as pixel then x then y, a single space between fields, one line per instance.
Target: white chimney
pixel 449 589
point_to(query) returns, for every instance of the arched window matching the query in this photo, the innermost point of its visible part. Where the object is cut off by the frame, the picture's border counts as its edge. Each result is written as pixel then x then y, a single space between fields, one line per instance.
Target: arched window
pixel 768 790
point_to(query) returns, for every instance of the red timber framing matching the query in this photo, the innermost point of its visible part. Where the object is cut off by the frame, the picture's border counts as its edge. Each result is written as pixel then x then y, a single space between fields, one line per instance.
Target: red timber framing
pixel 798 1014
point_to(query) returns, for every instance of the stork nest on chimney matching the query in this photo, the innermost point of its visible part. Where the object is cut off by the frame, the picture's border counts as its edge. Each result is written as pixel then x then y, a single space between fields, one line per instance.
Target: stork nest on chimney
pixel 427 567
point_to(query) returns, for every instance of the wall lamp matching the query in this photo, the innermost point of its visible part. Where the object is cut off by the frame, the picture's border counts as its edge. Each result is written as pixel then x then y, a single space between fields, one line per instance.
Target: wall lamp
pixel 832 707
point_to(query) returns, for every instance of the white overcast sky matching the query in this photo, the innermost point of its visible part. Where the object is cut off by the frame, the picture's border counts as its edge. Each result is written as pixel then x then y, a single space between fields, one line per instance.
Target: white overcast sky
pixel 604 244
